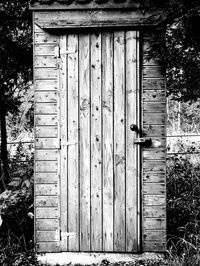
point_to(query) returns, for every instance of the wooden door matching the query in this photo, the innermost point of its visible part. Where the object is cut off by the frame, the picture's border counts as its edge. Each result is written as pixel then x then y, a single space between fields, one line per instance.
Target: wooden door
pixel 99 101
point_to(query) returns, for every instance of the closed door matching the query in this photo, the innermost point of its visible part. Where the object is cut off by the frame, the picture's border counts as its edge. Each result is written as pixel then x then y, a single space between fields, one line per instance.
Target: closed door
pixel 99 99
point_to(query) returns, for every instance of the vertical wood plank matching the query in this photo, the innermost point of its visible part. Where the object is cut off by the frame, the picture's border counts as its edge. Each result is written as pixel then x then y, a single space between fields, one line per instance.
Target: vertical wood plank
pixel 63 135
pixel 84 87
pixel 131 150
pixel 73 178
pixel 107 123
pixel 96 156
pixel 119 142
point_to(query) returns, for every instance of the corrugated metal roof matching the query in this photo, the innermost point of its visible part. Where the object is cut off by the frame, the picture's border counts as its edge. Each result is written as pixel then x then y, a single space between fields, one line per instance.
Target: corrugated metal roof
pixel 136 3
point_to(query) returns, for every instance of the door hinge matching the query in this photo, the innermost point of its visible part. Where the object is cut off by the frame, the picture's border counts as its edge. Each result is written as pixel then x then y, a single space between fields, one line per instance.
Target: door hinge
pixel 68 234
pixel 58 51
pixel 66 143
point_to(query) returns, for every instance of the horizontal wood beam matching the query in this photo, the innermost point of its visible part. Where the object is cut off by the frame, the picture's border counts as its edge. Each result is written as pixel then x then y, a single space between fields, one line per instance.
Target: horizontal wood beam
pixel 77 19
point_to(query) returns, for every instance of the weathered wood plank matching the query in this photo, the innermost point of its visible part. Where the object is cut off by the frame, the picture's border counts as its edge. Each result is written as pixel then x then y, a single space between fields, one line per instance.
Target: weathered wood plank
pixel 45 49
pixel 156 154
pixel 47 108
pixel 46 236
pixel 47 212
pixel 96 142
pixel 153 72
pixel 153 96
pixel 46 166
pixel 45 61
pixel 154 84
pixel 154 177
pixel 46 120
pixel 46 178
pixel 47 143
pixel 119 141
pixel 46 96
pixel 64 138
pixel 131 150
pixel 46 224
pixel 45 38
pixel 154 188
pixel 154 246
pixel 154 130
pixel 154 118
pixel 47 131
pixel 158 142
pixel 46 189
pixel 36 28
pixel 46 73
pixel 154 166
pixel 154 235
pixel 46 201
pixel 154 223
pixel 46 85
pixel 107 124
pixel 156 107
pixel 154 200
pixel 92 19
pixel 73 151
pixel 49 155
pixel 48 246
pixel 84 113
pixel 154 211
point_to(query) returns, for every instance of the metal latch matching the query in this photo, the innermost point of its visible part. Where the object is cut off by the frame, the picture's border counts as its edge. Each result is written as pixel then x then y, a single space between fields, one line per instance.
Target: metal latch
pixel 67 143
pixel 142 141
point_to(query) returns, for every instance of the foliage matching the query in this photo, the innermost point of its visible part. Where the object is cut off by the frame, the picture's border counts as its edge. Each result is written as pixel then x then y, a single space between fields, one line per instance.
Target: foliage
pixel 183 189
pixel 15 51
pixel 177 44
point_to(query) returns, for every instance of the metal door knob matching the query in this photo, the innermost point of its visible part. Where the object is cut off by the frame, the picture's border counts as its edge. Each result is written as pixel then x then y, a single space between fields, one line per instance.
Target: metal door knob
pixel 133 127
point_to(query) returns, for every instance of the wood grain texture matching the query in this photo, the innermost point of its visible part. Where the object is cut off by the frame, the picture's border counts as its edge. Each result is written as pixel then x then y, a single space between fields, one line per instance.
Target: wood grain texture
pixel 131 150
pixel 43 201
pixel 46 166
pixel 47 213
pixel 48 131
pixel 154 235
pixel 84 113
pixel 154 84
pixel 46 96
pixel 119 141
pixel 46 85
pixel 46 73
pixel 48 246
pixel 46 224
pixel 46 189
pixel 45 61
pixel 154 200
pixel 154 177
pixel 47 49
pixel 154 188
pixel 46 178
pixel 154 223
pixel 96 142
pixel 64 137
pixel 47 108
pixel 154 246
pixel 153 96
pixel 73 151
pixel 107 123
pixel 154 156
pixel 94 18
pixel 47 143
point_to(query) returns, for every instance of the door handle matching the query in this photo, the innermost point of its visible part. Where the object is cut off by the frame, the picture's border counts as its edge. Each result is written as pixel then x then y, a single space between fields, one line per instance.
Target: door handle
pixel 143 141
